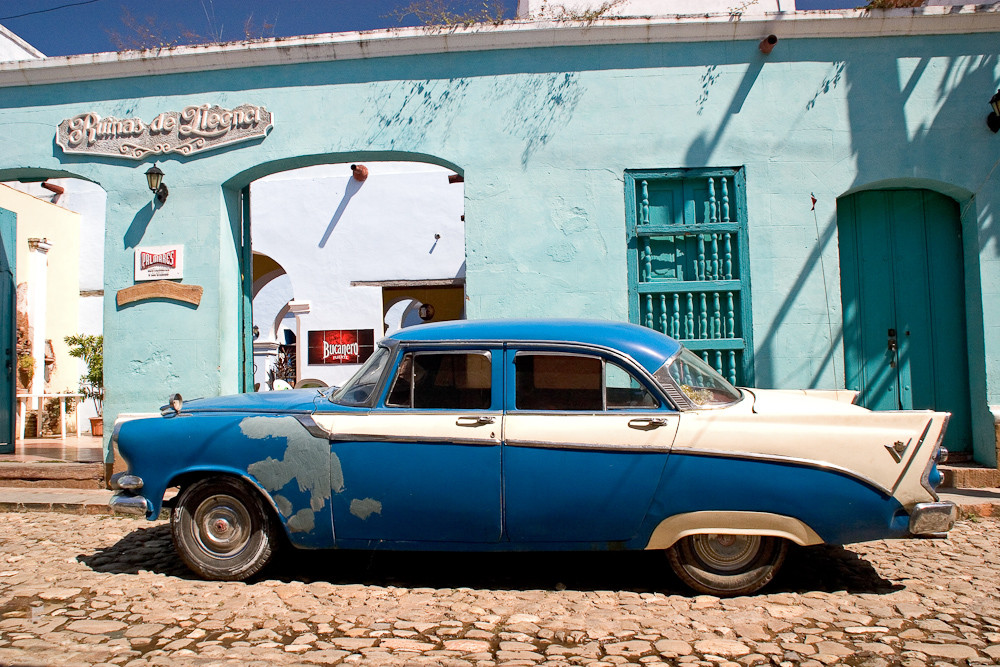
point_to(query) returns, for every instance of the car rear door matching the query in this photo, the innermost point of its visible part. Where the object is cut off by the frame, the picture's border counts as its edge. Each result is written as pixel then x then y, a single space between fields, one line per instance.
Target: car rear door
pixel 585 443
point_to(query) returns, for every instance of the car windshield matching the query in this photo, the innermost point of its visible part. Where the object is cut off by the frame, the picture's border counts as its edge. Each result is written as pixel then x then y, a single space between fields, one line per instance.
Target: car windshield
pixel 358 390
pixel 701 384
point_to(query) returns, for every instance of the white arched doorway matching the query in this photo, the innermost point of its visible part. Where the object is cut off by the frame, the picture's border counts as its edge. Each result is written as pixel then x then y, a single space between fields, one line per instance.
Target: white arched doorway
pixel 348 237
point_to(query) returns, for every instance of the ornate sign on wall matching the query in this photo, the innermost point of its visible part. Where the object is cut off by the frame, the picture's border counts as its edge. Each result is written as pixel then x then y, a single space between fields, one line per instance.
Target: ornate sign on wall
pixel 193 130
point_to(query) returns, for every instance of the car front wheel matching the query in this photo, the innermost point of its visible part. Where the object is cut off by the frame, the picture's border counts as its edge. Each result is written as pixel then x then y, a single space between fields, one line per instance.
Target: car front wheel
pixel 222 529
pixel 727 564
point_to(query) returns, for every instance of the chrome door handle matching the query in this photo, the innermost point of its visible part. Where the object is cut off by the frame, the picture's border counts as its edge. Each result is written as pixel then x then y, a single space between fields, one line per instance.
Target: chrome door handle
pixel 475 421
pixel 646 423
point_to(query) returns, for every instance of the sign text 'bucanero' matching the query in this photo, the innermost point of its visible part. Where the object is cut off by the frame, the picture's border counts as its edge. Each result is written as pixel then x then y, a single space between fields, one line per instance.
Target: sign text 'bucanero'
pixel 195 129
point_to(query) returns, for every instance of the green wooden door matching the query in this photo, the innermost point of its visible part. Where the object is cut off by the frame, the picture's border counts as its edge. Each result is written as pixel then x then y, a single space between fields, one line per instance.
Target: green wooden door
pixel 7 333
pixel 903 291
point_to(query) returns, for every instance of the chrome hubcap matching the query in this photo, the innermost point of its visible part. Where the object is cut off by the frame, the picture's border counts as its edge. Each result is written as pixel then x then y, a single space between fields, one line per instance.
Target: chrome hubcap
pixel 728 553
pixel 222 526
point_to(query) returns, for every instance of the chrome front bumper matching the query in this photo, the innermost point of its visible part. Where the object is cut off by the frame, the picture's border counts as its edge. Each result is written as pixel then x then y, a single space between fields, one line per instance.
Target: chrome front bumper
pixel 933 518
pixel 124 502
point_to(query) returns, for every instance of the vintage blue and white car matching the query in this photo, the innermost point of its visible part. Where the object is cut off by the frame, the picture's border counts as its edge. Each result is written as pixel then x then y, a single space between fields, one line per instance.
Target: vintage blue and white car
pixel 534 435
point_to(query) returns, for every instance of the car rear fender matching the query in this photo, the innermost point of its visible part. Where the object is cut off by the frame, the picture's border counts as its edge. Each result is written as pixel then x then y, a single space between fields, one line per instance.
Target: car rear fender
pixel 674 528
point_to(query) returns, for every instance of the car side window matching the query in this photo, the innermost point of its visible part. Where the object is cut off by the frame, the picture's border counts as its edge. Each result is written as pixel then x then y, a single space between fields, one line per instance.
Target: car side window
pixel 546 381
pixel 442 380
pixel 624 391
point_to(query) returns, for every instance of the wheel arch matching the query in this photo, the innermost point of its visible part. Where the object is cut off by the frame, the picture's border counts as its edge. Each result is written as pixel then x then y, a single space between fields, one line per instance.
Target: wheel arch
pixel 765 524
pixel 192 475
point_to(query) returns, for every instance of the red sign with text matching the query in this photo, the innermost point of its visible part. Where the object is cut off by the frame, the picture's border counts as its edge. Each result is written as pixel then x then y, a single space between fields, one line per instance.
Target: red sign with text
pixel 340 346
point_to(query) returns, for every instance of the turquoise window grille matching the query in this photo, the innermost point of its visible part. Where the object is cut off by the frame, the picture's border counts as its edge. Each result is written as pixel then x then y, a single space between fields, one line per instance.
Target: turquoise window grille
pixel 688 265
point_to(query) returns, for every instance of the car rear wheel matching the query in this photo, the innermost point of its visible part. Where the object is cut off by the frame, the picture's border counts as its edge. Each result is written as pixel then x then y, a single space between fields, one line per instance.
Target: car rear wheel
pixel 222 529
pixel 727 564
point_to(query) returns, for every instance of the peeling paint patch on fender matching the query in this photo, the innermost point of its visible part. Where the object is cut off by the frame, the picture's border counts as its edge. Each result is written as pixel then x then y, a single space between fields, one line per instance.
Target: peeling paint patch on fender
pixel 303 521
pixel 336 474
pixel 364 508
pixel 284 505
pixel 306 458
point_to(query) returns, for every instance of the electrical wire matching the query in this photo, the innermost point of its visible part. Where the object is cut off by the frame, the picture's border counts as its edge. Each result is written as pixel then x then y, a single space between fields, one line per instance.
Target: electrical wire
pixel 50 9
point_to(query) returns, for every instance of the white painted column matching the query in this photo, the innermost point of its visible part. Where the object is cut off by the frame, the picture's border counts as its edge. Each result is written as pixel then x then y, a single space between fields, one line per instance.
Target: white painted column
pixel 300 308
pixel 38 271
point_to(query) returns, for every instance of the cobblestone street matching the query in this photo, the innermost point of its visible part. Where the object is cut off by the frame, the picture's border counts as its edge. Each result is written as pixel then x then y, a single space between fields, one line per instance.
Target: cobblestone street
pixel 85 590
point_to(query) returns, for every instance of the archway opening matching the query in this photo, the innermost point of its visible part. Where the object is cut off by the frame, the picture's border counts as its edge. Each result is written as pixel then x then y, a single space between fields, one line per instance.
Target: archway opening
pixel 57 285
pixel 337 245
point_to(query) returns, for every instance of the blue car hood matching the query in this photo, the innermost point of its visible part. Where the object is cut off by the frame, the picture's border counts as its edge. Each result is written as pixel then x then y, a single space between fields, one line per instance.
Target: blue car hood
pixel 293 400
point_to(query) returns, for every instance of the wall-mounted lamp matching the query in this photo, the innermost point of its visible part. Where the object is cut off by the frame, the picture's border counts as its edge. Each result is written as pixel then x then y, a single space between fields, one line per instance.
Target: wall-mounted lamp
pixel 426 312
pixel 767 44
pixel 993 120
pixel 360 172
pixel 154 177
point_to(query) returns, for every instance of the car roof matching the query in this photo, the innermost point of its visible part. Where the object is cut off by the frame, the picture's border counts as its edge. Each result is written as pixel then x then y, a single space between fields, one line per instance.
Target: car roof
pixel 647 347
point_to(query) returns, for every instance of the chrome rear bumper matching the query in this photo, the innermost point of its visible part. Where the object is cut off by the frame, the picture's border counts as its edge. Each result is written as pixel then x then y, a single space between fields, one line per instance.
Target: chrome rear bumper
pixel 933 518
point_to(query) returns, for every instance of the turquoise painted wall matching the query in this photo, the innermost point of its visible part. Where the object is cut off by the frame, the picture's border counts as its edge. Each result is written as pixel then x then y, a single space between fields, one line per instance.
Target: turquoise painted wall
pixel 543 137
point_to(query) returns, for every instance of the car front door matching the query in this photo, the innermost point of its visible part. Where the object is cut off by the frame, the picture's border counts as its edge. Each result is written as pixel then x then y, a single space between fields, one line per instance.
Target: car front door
pixel 424 464
pixel 585 443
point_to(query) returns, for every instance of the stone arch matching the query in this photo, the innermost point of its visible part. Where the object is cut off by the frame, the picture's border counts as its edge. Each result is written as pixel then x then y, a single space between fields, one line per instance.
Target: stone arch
pixel 247 242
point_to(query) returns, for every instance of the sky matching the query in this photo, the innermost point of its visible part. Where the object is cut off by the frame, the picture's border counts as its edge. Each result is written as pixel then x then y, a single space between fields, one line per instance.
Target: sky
pixel 66 27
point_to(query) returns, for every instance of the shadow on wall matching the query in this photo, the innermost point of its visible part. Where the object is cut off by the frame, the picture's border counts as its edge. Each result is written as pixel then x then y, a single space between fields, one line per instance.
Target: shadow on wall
pixel 137 228
pixel 880 137
pixel 353 185
pixel 542 104
pixel 410 111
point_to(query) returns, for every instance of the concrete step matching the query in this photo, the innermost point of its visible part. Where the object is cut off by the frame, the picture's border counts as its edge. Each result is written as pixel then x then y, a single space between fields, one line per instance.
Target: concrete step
pixel 969 476
pixel 51 475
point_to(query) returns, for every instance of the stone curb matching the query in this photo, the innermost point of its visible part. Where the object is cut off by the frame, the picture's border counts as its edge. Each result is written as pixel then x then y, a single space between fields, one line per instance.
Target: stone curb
pixel 67 501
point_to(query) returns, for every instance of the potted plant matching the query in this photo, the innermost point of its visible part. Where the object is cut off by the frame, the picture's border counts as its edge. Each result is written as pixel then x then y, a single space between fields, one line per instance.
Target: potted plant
pixel 91 350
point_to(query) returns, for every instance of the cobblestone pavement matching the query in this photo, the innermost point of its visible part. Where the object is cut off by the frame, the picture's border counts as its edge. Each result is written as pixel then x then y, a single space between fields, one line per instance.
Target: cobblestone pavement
pixel 105 590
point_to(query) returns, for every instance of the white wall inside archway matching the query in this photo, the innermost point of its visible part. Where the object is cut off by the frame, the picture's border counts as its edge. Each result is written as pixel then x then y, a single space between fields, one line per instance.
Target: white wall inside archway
pixel 404 313
pixel 328 230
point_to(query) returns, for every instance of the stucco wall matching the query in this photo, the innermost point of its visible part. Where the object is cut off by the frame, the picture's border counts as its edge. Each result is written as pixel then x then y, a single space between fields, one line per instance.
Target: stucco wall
pixel 542 137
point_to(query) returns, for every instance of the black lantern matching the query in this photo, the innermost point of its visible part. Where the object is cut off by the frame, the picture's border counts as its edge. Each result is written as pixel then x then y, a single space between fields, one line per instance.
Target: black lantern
pixel 993 120
pixel 154 177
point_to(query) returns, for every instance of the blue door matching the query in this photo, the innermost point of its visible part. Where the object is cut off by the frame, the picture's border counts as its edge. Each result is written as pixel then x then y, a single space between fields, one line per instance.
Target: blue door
pixel 585 444
pixel 424 464
pixel 7 332
pixel 903 292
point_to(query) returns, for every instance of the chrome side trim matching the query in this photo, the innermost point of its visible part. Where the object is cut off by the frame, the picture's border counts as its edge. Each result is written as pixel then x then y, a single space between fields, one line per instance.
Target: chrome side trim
pixel 913 454
pixel 368 437
pixel 925 478
pixel 315 430
pixel 126 503
pixel 787 460
pixel 544 444
pixel 933 518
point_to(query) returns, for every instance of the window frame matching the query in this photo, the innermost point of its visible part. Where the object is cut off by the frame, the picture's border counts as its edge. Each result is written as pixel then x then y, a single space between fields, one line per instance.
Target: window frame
pixel 393 376
pixel 652 389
